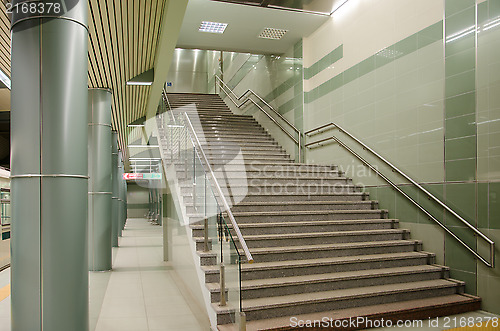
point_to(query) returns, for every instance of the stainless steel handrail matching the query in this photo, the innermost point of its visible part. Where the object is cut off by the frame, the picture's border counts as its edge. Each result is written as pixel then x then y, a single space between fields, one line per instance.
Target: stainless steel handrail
pixel 215 182
pixel 319 129
pixel 239 104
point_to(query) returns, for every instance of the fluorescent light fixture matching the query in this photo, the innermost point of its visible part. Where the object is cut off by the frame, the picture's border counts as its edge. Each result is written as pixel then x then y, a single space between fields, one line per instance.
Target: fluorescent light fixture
pixel 135 125
pixel 174 126
pixel 139 83
pixel 491 24
pixel 144 79
pixel 144 146
pixel 145 159
pixel 5 79
pixel 212 27
pixel 460 34
pixel 272 33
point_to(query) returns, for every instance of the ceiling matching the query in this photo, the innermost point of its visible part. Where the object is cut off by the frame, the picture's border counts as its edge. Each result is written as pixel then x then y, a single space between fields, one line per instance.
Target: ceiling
pixel 122 44
pixel 244 25
pixel 319 6
pixel 129 37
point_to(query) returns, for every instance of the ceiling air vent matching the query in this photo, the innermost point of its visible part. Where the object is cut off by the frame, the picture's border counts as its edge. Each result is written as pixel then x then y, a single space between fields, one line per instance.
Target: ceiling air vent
pixel 272 33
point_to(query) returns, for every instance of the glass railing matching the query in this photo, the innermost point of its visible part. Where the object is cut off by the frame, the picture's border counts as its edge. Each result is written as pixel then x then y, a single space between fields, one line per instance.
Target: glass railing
pixel 206 211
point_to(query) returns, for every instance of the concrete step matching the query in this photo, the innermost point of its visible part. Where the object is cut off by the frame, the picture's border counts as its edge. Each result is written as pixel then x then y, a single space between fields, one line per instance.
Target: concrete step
pixel 289 253
pixel 288 305
pixel 312 190
pixel 370 316
pixel 309 227
pixel 277 269
pixel 276 182
pixel 247 172
pixel 304 206
pixel 317 238
pixel 260 288
pixel 301 216
pixel 256 197
pixel 213 154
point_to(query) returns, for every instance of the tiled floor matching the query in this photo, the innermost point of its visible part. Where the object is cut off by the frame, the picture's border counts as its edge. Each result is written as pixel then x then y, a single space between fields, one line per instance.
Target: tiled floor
pixel 140 294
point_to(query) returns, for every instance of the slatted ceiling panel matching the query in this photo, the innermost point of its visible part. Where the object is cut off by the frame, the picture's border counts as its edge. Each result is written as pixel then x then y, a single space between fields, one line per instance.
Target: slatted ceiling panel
pixel 123 41
pixel 4 40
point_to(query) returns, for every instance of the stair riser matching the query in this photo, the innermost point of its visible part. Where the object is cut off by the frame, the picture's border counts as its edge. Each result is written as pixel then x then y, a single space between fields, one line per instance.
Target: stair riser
pixel 300 207
pixel 285 183
pixel 242 173
pixel 308 228
pixel 308 217
pixel 282 190
pixel 321 240
pixel 321 269
pixel 383 298
pixel 330 285
pixel 288 198
pixel 229 128
pixel 213 152
pixel 318 254
pixel 231 135
pixel 247 156
pixel 207 260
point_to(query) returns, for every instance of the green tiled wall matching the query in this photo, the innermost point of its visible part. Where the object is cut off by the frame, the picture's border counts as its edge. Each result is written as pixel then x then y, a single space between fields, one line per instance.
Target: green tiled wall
pixel 429 103
pixel 324 62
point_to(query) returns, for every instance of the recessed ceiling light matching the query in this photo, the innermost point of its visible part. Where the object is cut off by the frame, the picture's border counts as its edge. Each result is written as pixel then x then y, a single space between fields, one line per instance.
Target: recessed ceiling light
pixel 272 33
pixel 212 27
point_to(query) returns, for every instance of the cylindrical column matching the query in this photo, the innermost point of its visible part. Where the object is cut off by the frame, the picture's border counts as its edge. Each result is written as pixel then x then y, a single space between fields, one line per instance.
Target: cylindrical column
pixel 123 197
pixel 120 193
pixel 49 261
pixel 115 205
pixel 100 189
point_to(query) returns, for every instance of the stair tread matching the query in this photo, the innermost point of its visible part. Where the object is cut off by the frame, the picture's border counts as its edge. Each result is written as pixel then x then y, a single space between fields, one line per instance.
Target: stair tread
pixel 303 223
pixel 256 251
pixel 309 212
pixel 284 203
pixel 344 294
pixel 321 234
pixel 401 307
pixel 321 261
pixel 284 281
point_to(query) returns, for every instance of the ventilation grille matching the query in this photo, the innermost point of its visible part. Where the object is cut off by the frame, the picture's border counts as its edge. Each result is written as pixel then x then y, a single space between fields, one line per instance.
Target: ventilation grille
pixel 272 33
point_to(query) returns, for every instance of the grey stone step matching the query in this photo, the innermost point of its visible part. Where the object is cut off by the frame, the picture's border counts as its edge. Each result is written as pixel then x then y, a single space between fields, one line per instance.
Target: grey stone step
pixel 277 269
pixel 317 238
pixel 301 216
pixel 225 180
pixel 304 206
pixel 246 154
pixel 420 309
pixel 341 299
pixel 312 190
pixel 247 172
pixel 309 227
pixel 306 252
pixel 253 289
pixel 289 253
pixel 255 197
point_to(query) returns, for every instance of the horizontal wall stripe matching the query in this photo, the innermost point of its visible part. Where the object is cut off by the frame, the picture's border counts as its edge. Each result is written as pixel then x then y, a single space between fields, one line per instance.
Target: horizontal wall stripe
pixel 389 54
pixel 324 62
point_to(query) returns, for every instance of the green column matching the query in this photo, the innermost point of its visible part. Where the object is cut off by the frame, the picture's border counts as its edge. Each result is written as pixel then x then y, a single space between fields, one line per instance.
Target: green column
pixel 99 214
pixel 120 193
pixel 123 196
pixel 49 246
pixel 115 205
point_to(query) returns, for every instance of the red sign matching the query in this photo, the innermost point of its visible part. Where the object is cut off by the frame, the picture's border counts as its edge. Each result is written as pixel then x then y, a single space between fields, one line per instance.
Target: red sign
pixel 132 176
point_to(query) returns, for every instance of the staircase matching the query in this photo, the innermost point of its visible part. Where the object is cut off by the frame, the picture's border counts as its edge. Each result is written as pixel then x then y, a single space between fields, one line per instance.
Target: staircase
pixel 322 248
